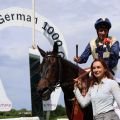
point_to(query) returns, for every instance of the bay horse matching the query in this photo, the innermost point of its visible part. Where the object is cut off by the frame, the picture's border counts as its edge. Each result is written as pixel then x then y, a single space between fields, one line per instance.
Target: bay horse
pixel 58 71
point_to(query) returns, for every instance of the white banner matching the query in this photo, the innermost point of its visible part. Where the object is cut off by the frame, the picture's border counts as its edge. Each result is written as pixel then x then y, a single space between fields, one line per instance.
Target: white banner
pixel 51 104
pixel 15 16
pixel 5 103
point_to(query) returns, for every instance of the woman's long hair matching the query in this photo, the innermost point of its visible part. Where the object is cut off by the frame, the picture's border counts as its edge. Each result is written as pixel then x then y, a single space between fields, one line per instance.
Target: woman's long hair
pixel 108 74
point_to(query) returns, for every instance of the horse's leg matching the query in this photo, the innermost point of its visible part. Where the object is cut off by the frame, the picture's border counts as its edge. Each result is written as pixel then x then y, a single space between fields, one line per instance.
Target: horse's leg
pixel 88 113
pixel 69 107
pixel 73 110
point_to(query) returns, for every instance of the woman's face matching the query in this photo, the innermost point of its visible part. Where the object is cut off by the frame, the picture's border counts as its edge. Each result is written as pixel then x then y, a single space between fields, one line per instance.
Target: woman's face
pixel 98 70
pixel 102 33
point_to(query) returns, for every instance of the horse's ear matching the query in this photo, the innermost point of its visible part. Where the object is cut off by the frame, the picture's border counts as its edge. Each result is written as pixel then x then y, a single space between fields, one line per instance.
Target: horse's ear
pixel 42 52
pixel 55 48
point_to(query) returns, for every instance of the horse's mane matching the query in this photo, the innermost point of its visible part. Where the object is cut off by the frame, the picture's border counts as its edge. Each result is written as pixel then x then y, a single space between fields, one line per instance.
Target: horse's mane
pixel 70 64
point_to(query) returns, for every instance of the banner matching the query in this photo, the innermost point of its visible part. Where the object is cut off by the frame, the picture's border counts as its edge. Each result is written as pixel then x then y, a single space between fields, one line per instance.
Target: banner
pixel 15 16
pixel 21 17
pixel 5 103
pixel 52 103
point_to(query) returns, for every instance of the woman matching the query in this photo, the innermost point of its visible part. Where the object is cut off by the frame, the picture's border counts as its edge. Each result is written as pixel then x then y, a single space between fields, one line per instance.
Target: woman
pixel 102 92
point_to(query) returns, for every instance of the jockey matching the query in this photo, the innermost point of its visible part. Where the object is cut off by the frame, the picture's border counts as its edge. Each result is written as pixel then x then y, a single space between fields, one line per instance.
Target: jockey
pixel 104 46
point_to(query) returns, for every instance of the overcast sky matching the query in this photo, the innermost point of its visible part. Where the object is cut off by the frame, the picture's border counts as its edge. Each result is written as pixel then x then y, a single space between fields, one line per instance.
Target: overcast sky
pixel 74 18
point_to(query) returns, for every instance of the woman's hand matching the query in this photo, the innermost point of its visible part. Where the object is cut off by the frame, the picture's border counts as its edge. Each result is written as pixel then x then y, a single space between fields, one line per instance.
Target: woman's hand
pixel 77 83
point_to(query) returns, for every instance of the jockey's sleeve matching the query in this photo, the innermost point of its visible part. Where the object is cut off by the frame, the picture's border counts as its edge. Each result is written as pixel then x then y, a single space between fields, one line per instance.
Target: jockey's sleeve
pixel 85 55
pixel 114 55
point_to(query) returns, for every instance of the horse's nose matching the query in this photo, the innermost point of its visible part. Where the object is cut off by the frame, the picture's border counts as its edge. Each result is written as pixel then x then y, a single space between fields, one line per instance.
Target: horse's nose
pixel 41 91
pixel 44 93
pixel 42 85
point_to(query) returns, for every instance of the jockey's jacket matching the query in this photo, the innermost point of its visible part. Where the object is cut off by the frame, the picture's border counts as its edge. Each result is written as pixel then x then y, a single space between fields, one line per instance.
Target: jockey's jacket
pixel 102 51
pixel 109 52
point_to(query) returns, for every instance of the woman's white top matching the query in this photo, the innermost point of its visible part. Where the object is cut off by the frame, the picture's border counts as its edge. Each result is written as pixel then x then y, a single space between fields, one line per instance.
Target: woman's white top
pixel 101 95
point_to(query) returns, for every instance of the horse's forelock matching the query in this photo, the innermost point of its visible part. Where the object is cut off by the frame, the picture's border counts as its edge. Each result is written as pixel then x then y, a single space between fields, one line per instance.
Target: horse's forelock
pixel 51 67
pixel 70 64
pixel 51 53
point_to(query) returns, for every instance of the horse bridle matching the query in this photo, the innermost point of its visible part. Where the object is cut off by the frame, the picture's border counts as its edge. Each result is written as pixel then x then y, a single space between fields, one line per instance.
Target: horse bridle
pixel 47 92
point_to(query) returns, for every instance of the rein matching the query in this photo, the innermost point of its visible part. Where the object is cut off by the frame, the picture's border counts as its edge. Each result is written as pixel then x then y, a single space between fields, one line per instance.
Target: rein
pixel 59 84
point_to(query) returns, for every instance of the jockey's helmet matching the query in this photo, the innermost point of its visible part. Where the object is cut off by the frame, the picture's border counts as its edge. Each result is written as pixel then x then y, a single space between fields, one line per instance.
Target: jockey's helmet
pixel 103 23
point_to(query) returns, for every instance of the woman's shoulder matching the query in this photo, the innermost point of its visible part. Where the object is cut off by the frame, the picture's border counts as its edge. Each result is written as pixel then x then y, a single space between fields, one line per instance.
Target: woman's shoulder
pixel 111 81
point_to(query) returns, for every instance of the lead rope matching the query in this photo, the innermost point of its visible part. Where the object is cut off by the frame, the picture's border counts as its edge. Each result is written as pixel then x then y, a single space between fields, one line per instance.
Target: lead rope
pixel 60 74
pixel 57 85
pixel 60 70
pixel 75 100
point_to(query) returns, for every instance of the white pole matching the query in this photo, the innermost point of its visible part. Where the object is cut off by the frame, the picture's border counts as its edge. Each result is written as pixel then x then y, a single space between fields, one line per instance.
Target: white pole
pixel 47 115
pixel 33 24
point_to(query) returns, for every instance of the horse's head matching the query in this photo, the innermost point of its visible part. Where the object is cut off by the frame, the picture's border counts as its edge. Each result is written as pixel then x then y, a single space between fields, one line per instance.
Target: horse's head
pixel 49 72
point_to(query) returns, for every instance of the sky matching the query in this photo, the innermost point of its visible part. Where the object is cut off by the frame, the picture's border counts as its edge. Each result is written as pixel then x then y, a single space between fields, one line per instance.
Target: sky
pixel 74 18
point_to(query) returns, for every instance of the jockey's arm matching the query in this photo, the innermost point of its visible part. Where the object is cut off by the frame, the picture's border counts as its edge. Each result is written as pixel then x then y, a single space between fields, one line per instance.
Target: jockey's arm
pixel 84 56
pixel 114 55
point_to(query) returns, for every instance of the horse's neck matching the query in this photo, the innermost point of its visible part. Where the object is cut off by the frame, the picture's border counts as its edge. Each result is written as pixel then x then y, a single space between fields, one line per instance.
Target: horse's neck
pixel 69 69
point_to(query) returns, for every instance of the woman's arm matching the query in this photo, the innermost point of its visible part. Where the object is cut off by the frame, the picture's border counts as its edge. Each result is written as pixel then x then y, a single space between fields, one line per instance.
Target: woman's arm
pixel 83 100
pixel 116 92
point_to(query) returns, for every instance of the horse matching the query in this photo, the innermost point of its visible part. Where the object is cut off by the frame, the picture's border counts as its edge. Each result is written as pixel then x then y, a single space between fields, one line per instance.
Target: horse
pixel 58 71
